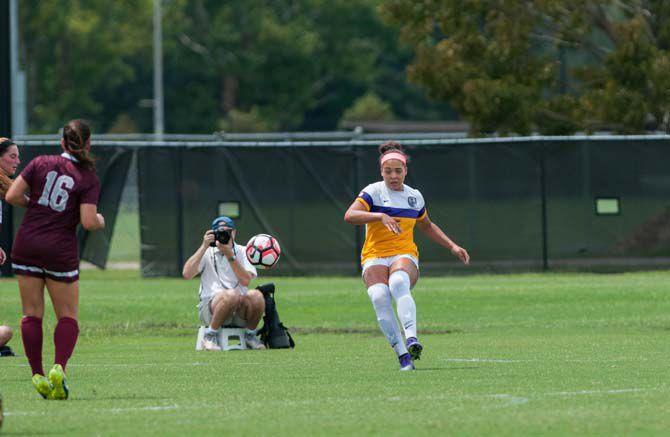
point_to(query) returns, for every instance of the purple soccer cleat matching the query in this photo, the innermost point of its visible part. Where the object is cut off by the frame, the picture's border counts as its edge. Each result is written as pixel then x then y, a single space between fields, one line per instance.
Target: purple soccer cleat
pixel 405 362
pixel 414 348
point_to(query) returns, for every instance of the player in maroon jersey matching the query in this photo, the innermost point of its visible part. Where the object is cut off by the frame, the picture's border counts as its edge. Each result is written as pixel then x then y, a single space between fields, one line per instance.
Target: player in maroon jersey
pixel 62 191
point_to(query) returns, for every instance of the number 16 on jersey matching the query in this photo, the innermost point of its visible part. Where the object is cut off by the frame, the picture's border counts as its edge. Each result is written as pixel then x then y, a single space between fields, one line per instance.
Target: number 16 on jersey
pixel 55 193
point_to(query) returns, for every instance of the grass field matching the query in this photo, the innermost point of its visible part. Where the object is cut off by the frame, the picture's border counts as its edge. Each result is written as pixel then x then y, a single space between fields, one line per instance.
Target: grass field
pixel 530 354
pixel 125 244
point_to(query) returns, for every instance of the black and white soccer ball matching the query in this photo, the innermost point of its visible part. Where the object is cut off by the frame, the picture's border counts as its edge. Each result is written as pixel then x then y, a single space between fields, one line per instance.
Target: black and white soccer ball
pixel 263 251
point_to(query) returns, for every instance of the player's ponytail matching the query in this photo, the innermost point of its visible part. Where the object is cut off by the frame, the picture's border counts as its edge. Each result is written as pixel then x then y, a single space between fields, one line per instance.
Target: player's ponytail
pixel 5 180
pixel 391 147
pixel 76 135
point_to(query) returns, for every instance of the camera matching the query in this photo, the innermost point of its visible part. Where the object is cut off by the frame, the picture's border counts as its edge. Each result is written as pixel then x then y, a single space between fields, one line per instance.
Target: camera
pixel 222 236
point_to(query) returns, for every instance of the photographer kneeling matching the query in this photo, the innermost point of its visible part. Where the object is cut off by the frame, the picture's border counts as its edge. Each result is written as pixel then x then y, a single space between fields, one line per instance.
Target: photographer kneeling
pixel 225 274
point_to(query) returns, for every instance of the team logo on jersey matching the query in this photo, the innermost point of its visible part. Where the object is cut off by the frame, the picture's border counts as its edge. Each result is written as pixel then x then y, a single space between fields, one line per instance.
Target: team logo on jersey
pixel 412 201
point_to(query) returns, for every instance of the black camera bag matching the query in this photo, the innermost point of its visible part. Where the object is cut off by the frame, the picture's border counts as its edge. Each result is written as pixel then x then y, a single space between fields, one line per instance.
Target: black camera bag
pixel 273 334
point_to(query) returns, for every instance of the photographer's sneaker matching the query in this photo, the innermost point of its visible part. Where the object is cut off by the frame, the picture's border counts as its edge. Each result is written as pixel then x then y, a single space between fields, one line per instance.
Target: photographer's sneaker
pixel 42 385
pixel 405 362
pixel 211 341
pixel 414 348
pixel 252 340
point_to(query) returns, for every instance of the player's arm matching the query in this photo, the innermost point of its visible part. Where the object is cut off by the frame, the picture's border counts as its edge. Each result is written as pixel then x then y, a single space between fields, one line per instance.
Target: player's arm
pixel 359 214
pixel 436 234
pixel 192 266
pixel 90 219
pixel 16 195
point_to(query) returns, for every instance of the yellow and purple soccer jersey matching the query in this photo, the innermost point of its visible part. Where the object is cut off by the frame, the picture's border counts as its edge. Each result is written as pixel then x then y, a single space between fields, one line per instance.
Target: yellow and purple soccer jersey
pixel 407 205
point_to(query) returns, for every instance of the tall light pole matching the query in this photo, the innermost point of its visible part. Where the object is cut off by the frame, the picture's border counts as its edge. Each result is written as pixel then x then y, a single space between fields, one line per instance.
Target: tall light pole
pixel 5 119
pixel 19 119
pixel 159 125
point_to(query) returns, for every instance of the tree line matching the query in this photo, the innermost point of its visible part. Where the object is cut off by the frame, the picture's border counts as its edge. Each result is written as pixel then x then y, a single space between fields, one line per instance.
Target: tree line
pixel 548 66
pixel 241 65
pixel 504 66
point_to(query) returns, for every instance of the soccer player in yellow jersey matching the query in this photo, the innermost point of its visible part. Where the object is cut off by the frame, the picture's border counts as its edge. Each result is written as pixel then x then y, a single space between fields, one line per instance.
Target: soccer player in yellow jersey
pixel 390 210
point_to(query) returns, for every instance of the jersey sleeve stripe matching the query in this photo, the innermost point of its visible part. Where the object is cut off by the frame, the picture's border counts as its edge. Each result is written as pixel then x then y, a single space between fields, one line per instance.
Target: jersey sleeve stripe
pixel 396 212
pixel 364 203
pixel 422 213
pixel 368 199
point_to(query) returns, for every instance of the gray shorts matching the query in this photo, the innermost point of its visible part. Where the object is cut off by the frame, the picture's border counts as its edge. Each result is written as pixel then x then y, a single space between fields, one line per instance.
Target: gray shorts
pixel 205 314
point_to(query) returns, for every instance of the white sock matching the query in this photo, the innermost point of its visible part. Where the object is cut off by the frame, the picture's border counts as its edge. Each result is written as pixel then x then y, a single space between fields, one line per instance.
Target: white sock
pixel 381 301
pixel 210 331
pixel 399 284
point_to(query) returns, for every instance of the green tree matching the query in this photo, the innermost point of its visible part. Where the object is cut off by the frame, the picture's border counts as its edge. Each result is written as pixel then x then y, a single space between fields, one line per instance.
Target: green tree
pixel 81 59
pixel 294 65
pixel 360 54
pixel 502 64
pixel 240 64
pixel 369 107
pixel 243 54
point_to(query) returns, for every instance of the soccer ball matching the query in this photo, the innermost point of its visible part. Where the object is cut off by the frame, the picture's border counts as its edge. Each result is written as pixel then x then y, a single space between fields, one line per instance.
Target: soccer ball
pixel 263 251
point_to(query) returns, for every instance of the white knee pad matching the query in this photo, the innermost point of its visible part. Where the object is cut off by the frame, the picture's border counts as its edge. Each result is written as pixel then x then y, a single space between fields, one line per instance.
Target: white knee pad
pixel 379 295
pixel 399 284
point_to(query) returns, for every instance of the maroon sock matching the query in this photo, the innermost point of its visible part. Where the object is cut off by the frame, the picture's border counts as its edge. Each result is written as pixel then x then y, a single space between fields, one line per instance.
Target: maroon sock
pixel 65 337
pixel 31 332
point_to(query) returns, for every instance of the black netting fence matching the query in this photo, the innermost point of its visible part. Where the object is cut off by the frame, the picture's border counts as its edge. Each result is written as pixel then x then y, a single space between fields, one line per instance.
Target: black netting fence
pixel 513 204
pixel 528 203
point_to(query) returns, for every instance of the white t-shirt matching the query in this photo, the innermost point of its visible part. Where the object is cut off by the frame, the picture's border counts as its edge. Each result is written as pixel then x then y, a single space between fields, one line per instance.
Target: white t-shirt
pixel 226 278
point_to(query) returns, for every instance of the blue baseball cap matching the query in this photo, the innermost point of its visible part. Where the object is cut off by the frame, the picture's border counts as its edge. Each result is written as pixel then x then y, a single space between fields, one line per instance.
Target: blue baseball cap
pixel 223 222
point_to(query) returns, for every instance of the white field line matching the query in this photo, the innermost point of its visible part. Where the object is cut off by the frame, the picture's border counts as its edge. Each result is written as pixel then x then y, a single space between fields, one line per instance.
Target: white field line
pixel 507 361
pixel 509 400
pixel 158 408
pixel 483 360
pixel 99 410
pixel 598 392
pixel 126 365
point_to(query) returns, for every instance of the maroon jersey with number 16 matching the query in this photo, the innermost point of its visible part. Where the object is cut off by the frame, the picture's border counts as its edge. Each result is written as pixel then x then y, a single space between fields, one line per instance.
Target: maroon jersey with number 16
pixel 47 236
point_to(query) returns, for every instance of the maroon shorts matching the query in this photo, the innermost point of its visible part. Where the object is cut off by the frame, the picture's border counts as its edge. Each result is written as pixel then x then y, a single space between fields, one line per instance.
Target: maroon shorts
pixel 56 259
pixel 32 264
pixel 41 272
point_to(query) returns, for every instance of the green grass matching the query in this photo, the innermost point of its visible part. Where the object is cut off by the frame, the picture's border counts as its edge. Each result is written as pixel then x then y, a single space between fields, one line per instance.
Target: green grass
pixel 125 245
pixel 530 354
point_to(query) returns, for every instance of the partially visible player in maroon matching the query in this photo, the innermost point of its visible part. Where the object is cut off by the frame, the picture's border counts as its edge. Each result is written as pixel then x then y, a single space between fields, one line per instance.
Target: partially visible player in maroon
pixel 9 161
pixel 62 191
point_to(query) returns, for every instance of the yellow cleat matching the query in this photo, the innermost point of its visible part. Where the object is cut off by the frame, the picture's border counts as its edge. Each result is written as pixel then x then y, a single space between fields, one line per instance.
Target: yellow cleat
pixel 42 385
pixel 57 379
